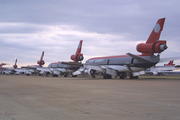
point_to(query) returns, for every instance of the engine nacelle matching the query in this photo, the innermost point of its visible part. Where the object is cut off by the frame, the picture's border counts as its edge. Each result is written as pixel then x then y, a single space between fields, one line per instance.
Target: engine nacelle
pixel 78 57
pixel 156 47
pixel 155 73
pixel 15 66
pixel 41 62
pixel 90 72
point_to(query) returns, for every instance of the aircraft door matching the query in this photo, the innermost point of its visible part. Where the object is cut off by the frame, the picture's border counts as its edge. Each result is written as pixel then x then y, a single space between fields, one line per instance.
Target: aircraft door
pixel 108 62
pixel 132 61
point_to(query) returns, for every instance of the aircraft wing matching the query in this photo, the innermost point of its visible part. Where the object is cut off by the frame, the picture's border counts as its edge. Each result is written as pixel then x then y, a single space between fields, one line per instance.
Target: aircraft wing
pixel 97 68
pixel 44 69
pixel 29 67
pixel 80 71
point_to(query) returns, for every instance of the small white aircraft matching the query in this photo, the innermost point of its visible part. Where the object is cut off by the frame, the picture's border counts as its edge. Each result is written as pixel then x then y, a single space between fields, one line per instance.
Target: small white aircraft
pixel 162 70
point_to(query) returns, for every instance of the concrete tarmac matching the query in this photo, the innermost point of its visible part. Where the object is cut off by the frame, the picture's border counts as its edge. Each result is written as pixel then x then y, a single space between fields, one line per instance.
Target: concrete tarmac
pixel 84 98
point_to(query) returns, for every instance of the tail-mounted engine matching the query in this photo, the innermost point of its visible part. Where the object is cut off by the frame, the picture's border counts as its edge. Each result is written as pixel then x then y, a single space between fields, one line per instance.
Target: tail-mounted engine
pixel 41 62
pixel 151 48
pixel 15 66
pixel 78 57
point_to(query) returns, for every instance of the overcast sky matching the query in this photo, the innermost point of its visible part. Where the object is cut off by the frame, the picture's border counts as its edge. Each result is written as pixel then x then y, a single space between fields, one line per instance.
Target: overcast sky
pixel 107 27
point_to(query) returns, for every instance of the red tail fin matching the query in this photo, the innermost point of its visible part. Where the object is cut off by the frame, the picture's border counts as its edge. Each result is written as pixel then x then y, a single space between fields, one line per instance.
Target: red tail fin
pixel 78 55
pixel 79 47
pixel 41 61
pixel 170 63
pixel 15 65
pixel 2 65
pixel 156 32
pixel 42 56
pixel 153 44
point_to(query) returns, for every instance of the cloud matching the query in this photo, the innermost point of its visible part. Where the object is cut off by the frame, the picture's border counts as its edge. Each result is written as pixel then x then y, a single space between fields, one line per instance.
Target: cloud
pixel 107 27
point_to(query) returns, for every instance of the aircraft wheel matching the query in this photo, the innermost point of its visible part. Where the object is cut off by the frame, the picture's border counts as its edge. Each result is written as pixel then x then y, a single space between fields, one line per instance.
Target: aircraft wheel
pixel 133 77
pixel 54 75
pixel 106 76
pixel 109 76
pixel 136 77
pixel 121 77
pixel 93 76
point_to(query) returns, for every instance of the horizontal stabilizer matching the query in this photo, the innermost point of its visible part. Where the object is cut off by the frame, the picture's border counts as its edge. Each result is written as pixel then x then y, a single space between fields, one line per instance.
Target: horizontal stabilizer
pixel 77 64
pixel 138 58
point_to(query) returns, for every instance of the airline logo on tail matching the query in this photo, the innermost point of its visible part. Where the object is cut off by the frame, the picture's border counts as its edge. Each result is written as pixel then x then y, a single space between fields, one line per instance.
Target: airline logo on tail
pixel 157 28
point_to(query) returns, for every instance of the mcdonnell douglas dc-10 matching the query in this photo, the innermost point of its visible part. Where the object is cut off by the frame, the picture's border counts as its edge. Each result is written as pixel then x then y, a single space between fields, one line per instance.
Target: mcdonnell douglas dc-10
pixel 130 64
pixel 64 68
pixel 31 69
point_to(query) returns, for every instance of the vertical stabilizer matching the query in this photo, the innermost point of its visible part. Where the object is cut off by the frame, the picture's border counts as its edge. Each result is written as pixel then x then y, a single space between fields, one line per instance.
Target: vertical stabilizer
pixel 78 55
pixel 170 63
pixel 15 65
pixel 42 56
pixel 156 32
pixel 153 44
pixel 41 61
pixel 79 47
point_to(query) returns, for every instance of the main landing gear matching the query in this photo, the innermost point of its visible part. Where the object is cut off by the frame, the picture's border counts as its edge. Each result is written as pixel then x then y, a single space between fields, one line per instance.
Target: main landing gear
pixel 93 73
pixel 122 75
pixel 107 76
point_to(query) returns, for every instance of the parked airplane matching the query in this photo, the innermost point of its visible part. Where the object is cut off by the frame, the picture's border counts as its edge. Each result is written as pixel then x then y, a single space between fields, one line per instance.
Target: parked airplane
pixel 11 70
pixel 130 64
pixel 31 69
pixel 1 68
pixel 162 70
pixel 64 68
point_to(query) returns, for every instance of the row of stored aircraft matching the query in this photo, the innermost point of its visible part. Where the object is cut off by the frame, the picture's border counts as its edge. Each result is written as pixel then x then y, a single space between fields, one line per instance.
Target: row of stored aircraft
pixel 55 68
pixel 122 65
